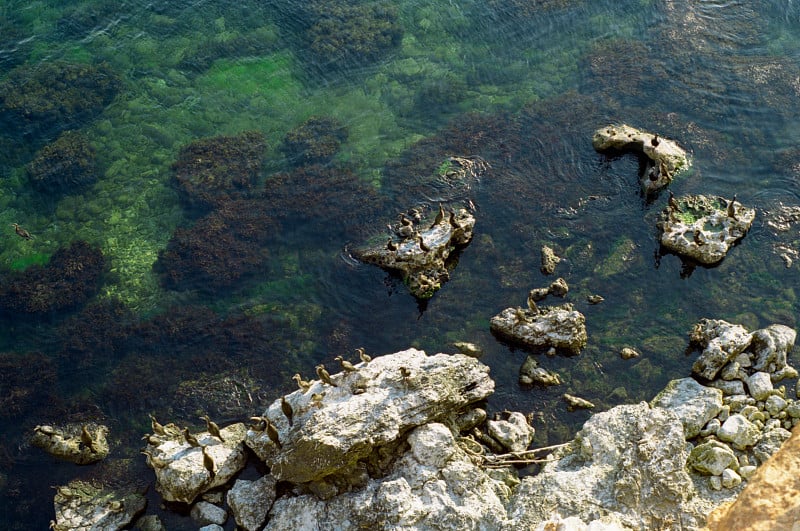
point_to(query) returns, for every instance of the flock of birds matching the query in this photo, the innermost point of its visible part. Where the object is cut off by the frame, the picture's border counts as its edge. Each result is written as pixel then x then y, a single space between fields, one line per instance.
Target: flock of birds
pixel 262 423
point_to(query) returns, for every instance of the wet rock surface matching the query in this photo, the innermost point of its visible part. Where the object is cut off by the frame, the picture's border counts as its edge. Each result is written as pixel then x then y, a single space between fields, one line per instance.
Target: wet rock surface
pixel 420 254
pixel 704 227
pixel 79 443
pixel 561 327
pixel 666 156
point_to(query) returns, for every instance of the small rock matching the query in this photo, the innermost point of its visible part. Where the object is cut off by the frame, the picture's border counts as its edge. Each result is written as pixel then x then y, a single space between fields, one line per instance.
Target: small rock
pixel 515 434
pixel 730 479
pixel 250 501
pixel 628 353
pixel 531 373
pixel 212 527
pixel 711 458
pixel 739 431
pixel 558 288
pixel 469 349
pixel 728 387
pixel 205 513
pixel 759 385
pixel 149 522
pixel 574 402
pixel 711 427
pixel 747 471
pixel 694 404
pixel 472 418
pixel 715 482
pixel 549 260
pixel 774 405
pixel 538 294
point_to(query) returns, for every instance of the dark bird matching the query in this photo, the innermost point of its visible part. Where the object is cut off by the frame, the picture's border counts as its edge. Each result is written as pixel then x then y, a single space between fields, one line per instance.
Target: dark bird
pixel 440 216
pixel 390 245
pixel 272 433
pixel 697 239
pixel 405 221
pixel 212 428
pixel 325 375
pixel 302 384
pixel 422 245
pixel 366 358
pixel 346 365
pixel 532 303
pixel 732 208
pixel 654 141
pixel 286 407
pixel 208 462
pixel 259 423
pixel 22 233
pixel 404 373
pixel 86 438
pixel 673 203
pixel 191 439
pixel 158 429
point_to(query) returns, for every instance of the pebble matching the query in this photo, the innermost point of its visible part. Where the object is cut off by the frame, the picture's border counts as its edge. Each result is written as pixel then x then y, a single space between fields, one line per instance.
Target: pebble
pixel 730 479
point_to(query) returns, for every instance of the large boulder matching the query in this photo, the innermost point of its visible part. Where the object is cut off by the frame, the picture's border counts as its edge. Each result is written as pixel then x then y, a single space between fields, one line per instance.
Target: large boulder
pixel 694 404
pixel 704 228
pixel 85 505
pixel 79 443
pixel 334 427
pixel 185 470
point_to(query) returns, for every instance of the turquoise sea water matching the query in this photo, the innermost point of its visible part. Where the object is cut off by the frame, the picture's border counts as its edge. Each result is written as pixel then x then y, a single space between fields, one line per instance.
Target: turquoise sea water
pixel 521 84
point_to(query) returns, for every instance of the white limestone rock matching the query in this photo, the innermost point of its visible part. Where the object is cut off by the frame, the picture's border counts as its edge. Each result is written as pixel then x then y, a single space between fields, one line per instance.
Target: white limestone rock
pixel 433 486
pixel 759 385
pixel 711 458
pixel 547 326
pixel 694 404
pixel 739 431
pixel 628 461
pixel 515 434
pixel 67 442
pixel 180 473
pixel 730 479
pixel 769 443
pixel 369 408
pixel 205 513
pixel 774 404
pixel 771 346
pixel 83 505
pixel 250 501
pixel 721 342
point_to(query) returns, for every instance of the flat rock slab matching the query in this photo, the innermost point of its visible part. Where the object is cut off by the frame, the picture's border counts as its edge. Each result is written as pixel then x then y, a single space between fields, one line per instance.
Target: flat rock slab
pixel 82 505
pixel 334 427
pixel 704 227
pixel 547 326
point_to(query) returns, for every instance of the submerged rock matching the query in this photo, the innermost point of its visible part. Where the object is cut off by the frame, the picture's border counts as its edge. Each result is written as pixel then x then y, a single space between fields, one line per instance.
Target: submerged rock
pixel 82 505
pixel 552 326
pixel 420 255
pixel 79 443
pixel 704 227
pixel 667 158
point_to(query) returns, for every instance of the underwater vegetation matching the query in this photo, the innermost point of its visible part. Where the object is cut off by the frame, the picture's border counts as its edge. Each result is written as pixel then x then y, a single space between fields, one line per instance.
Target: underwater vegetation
pixel 65 165
pixel 211 171
pixel 341 34
pixel 221 249
pixel 95 335
pixel 24 380
pixel 69 279
pixel 44 99
pixel 315 141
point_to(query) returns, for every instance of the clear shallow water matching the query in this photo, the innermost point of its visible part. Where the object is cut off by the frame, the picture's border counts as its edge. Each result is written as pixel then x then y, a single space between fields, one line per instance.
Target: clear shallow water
pixel 523 85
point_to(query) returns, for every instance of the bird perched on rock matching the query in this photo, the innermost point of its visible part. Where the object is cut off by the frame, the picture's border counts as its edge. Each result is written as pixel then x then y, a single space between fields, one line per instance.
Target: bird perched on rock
pixel 405 374
pixel 156 426
pixel 22 233
pixel 212 428
pixel 272 433
pixel 363 355
pixel 731 211
pixel 286 407
pixel 259 423
pixel 532 302
pixel 390 245
pixel 673 203
pixel 325 375
pixel 697 238
pixel 87 439
pixel 302 384
pixel 191 439
pixel 317 398
pixel 439 216
pixel 422 244
pixel 654 141
pixel 346 365
pixel 208 462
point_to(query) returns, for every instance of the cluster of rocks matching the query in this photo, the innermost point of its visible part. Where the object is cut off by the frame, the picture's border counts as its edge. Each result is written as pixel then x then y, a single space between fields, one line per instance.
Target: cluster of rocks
pixel 751 418
pixel 704 228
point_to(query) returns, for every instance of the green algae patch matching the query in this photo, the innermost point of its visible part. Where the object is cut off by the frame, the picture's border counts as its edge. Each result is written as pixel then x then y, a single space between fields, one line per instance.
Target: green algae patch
pixel 249 77
pixel 32 259
pixel 623 252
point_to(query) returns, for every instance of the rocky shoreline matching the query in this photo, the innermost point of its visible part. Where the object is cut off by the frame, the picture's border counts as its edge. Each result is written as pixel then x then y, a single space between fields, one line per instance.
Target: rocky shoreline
pixel 402 442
